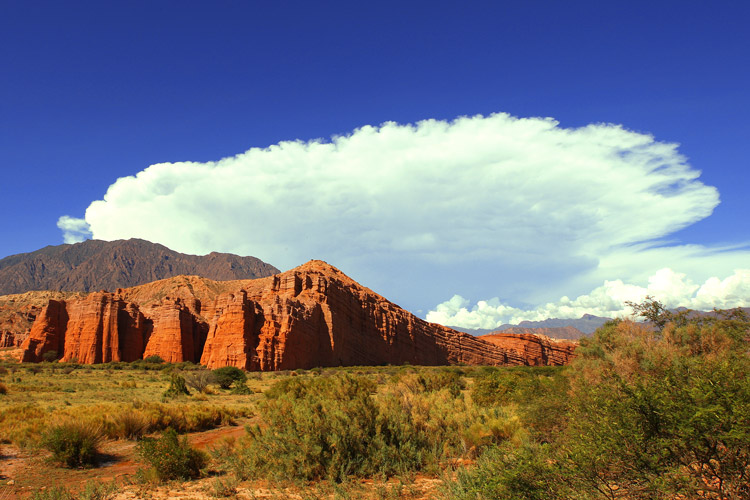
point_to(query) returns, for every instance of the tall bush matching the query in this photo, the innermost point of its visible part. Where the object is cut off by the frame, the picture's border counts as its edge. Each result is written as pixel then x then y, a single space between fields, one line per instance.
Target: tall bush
pixel 669 408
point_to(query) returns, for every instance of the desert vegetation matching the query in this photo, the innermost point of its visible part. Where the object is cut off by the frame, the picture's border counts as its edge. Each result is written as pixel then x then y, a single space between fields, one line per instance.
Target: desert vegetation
pixel 646 411
pixel 650 411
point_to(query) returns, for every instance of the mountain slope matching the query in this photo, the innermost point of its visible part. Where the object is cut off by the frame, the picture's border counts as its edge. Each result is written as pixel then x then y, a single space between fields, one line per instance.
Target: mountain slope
pixel 107 265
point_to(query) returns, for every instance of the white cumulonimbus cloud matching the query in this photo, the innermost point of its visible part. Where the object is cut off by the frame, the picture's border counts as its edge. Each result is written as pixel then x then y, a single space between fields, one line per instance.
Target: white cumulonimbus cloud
pixel 608 300
pixel 482 206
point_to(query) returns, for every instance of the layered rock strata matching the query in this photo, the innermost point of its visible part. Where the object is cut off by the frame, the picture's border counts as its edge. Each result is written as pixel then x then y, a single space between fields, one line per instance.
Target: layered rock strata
pixel 535 349
pixel 311 316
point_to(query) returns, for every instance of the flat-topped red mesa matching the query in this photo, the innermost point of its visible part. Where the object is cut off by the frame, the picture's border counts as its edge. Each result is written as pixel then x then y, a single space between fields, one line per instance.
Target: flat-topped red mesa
pixel 313 315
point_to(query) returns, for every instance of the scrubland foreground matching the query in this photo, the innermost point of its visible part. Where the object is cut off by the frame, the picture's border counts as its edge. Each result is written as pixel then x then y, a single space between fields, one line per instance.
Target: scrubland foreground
pixel 642 413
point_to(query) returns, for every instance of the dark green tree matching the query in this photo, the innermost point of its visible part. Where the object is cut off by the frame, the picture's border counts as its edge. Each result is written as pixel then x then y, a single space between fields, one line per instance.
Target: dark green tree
pixel 228 375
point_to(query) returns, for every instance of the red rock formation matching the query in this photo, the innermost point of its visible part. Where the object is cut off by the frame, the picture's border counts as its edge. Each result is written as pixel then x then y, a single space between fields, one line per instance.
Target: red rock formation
pixel 7 339
pixel 177 335
pixel 561 332
pixel 231 338
pixel 47 333
pixel 18 312
pixel 102 328
pixel 535 349
pixel 313 315
pixel 316 316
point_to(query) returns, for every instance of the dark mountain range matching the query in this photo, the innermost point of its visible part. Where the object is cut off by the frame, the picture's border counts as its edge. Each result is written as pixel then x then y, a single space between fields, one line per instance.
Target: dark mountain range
pixel 95 265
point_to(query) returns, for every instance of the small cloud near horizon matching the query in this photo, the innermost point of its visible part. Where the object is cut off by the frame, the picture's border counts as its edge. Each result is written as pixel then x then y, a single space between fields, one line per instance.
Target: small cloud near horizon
pixel 74 230
pixel 608 300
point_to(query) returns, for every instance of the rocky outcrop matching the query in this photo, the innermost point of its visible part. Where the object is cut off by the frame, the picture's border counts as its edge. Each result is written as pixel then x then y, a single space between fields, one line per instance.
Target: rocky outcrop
pixel 102 328
pixel 96 329
pixel 177 334
pixel 311 316
pixel 11 339
pixel 18 312
pixel 317 316
pixel 534 349
pixel 561 332
pixel 48 332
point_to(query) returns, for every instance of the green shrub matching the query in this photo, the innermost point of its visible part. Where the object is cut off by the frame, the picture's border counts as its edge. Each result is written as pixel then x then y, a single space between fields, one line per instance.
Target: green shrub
pixel 53 493
pixel 337 426
pixel 442 379
pixel 228 375
pixel 526 473
pixel 495 427
pixel 154 359
pixel 94 490
pixel 222 487
pixel 172 457
pixel 49 356
pixel 669 408
pixel 176 387
pixel 318 428
pixel 74 444
pixel 241 389
pixel 539 393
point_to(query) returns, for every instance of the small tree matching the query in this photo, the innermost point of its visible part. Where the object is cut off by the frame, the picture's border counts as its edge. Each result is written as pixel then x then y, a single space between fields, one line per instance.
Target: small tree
pixel 228 375
pixel 200 379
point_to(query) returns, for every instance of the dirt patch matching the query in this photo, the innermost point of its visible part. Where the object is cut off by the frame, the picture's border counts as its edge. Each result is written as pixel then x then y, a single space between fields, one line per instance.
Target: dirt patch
pixel 23 472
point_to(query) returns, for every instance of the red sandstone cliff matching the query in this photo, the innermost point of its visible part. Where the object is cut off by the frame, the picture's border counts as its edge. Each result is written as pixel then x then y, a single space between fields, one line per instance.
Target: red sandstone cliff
pixel 18 312
pixel 560 332
pixel 313 315
pixel 535 349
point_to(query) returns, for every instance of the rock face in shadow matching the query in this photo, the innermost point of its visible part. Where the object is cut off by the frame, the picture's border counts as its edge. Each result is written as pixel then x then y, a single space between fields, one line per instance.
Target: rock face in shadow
pixel 311 316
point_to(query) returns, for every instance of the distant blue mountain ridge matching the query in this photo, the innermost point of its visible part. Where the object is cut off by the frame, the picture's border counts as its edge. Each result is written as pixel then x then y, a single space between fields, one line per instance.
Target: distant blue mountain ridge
pixel 586 324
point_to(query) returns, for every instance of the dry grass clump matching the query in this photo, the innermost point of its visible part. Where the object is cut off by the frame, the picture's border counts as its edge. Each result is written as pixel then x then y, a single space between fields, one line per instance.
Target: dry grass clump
pixel 22 424
pixel 73 443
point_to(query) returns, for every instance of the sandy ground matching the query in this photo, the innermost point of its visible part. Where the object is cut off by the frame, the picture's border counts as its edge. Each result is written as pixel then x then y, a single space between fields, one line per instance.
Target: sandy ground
pixel 22 473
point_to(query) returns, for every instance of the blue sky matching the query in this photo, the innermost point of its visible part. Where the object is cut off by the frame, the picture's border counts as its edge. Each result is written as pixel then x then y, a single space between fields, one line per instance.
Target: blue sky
pixel 96 91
